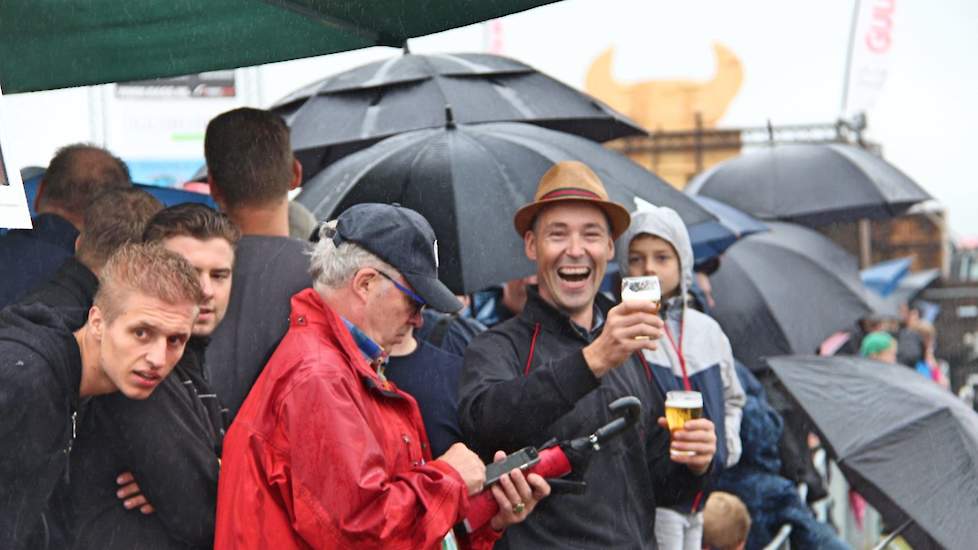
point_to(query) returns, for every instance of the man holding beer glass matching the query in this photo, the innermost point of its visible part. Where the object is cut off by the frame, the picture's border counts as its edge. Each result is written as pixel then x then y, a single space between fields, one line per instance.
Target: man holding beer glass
pixel 552 371
pixel 693 366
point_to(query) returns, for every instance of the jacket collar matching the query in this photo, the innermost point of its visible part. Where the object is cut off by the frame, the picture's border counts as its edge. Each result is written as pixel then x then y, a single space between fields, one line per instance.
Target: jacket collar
pixel 79 275
pixel 538 310
pixel 56 230
pixel 309 309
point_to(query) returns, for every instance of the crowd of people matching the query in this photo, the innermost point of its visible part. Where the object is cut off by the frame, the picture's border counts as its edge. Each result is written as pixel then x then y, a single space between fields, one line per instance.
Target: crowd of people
pixel 186 377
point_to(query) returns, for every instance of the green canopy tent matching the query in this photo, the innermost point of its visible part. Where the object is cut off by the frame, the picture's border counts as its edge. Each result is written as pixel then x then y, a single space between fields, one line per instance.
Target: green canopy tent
pixel 49 44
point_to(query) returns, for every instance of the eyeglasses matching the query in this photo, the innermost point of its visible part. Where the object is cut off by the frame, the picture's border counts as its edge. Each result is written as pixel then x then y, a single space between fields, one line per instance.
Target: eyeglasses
pixel 419 304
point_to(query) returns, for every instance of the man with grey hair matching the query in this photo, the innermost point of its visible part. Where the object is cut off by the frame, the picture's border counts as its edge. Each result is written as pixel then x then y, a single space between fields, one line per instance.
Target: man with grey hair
pixel 326 451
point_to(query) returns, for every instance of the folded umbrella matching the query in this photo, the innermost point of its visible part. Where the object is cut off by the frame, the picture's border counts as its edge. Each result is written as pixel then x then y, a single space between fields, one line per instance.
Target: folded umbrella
pixel 907 445
pixel 811 184
pixel 346 112
pixel 469 180
pixel 785 291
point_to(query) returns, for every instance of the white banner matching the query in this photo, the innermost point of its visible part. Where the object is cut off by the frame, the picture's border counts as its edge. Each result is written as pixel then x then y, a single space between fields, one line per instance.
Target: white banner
pixel 871 43
pixel 13 203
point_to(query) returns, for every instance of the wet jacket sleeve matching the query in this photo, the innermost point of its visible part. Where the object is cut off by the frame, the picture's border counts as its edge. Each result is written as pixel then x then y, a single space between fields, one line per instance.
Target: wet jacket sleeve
pixel 501 408
pixel 171 458
pixel 338 486
pixel 734 399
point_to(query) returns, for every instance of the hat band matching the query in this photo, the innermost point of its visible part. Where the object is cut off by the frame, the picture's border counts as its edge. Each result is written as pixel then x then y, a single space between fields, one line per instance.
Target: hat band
pixel 571 192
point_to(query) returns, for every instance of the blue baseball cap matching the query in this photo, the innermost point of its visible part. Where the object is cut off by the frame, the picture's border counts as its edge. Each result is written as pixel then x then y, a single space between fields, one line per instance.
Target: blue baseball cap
pixel 404 239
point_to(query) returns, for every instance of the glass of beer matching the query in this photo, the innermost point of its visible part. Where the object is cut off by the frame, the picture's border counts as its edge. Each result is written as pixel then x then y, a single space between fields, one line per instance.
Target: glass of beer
pixel 645 289
pixel 682 406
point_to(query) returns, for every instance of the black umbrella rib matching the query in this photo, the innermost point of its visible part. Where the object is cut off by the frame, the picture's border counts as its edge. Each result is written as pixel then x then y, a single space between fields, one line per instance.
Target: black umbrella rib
pixel 858 166
pixel 513 98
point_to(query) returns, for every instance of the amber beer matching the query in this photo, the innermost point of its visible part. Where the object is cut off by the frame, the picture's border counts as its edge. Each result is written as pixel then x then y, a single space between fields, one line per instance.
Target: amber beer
pixel 644 288
pixel 681 407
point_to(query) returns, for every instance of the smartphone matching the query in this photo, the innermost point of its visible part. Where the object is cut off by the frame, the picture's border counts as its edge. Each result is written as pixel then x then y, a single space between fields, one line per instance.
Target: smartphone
pixel 520 460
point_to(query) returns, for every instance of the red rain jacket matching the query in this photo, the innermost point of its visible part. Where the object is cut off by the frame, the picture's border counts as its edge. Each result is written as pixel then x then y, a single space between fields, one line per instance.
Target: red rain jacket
pixel 325 454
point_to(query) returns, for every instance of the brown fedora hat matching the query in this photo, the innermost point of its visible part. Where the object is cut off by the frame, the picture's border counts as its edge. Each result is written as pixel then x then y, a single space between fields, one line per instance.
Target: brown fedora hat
pixel 571 180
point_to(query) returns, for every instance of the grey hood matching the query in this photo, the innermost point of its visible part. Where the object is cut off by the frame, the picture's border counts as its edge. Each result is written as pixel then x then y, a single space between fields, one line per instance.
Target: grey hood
pixel 664 223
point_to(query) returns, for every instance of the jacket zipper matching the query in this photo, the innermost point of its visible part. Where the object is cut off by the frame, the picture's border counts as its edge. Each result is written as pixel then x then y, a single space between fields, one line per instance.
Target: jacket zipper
pixel 71 442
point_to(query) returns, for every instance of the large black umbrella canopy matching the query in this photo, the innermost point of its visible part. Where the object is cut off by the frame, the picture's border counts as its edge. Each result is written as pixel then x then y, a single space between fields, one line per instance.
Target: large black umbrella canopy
pixel 811 184
pixel 906 444
pixel 784 292
pixel 469 180
pixel 354 109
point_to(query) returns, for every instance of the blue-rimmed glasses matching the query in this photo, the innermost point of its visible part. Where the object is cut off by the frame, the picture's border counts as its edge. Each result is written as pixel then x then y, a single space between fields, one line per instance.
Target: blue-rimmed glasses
pixel 419 303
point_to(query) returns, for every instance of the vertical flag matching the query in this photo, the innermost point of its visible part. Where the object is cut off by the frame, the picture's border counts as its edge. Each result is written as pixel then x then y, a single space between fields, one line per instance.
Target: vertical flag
pixel 870 45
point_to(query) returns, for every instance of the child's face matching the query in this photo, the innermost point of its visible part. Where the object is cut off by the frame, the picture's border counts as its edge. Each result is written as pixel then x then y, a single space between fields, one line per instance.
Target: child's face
pixel 648 255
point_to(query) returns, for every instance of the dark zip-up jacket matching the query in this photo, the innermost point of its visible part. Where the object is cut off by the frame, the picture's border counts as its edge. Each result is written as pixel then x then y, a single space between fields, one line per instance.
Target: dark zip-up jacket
pixel 40 375
pixel 500 407
pixel 171 444
pixel 72 286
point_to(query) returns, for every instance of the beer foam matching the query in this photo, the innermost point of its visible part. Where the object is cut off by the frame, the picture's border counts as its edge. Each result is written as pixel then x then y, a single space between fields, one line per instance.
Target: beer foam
pixel 684 399
pixel 641 288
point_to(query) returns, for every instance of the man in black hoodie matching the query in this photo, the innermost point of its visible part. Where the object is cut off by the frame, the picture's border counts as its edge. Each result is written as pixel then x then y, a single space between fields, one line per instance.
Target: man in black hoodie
pixel 134 334
pixel 175 434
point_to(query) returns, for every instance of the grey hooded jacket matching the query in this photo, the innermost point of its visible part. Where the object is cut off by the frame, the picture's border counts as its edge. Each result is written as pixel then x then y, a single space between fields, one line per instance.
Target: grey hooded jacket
pixel 708 358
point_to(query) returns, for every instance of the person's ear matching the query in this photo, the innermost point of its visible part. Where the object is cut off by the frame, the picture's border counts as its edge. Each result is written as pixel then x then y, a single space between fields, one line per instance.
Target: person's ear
pixel 96 323
pixel 216 194
pixel 77 243
pixel 296 174
pixel 530 245
pixel 362 280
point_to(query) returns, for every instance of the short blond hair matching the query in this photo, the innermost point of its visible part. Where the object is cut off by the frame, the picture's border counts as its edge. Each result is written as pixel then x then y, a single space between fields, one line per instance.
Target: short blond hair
pixel 149 269
pixel 726 521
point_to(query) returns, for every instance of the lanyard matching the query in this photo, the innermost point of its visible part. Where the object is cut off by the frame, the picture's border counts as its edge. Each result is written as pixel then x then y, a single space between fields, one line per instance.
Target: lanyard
pixel 679 352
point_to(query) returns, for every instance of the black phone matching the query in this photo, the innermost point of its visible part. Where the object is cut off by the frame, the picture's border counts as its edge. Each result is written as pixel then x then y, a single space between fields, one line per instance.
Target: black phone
pixel 521 460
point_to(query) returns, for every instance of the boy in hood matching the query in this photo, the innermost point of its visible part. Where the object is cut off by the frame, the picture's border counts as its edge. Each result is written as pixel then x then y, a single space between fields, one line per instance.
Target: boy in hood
pixel 134 335
pixel 694 355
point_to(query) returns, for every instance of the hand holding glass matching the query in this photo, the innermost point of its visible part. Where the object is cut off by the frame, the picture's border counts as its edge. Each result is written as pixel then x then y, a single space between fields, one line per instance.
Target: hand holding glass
pixel 681 407
pixel 644 289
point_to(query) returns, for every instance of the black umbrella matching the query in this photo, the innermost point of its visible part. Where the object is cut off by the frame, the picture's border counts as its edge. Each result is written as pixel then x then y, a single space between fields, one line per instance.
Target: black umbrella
pixel 468 181
pixel 906 444
pixel 346 112
pixel 811 184
pixel 784 292
pixel 737 224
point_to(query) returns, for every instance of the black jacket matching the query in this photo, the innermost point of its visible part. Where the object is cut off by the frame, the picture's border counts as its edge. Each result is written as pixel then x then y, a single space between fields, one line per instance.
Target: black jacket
pixel 171 444
pixel 40 374
pixel 502 408
pixel 30 256
pixel 73 286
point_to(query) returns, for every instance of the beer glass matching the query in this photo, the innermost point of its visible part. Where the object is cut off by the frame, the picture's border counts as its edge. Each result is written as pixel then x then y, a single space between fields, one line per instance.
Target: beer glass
pixel 682 406
pixel 644 288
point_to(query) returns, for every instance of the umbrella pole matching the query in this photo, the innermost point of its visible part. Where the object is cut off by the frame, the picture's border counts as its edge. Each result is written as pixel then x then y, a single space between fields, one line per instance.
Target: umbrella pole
pixel 886 542
pixel 865 246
